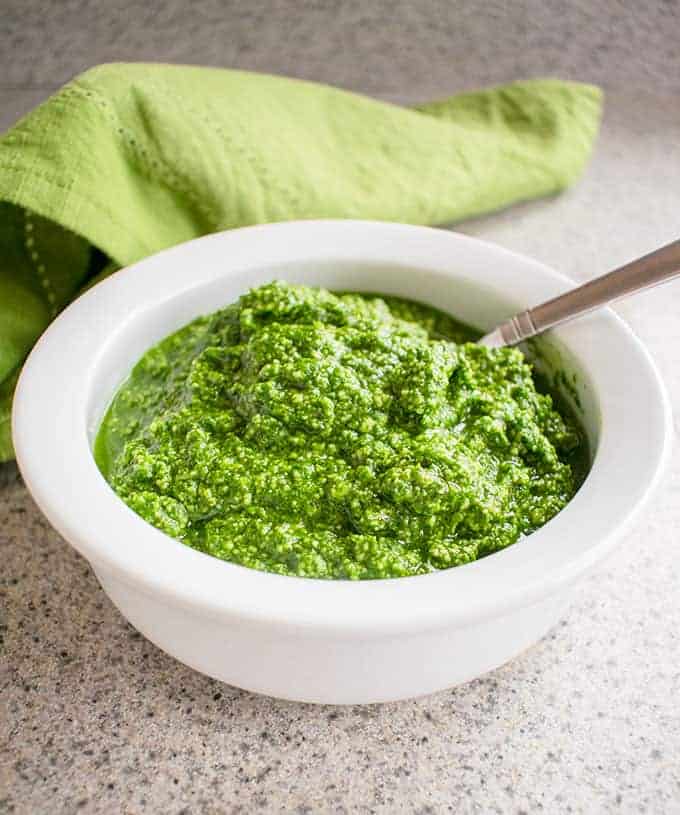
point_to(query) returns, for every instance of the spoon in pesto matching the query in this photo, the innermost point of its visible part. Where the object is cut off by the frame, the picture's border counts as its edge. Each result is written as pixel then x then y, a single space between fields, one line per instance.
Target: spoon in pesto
pixel 644 273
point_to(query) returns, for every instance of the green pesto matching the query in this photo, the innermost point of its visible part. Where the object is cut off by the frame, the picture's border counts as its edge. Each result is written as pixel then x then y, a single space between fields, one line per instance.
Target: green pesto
pixel 337 436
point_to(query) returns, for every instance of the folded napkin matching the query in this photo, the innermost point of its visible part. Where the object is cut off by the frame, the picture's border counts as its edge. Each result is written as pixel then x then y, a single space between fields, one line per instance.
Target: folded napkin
pixel 128 159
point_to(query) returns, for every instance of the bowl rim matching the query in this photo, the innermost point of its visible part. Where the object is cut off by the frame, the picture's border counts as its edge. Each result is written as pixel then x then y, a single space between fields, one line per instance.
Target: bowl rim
pixel 54 456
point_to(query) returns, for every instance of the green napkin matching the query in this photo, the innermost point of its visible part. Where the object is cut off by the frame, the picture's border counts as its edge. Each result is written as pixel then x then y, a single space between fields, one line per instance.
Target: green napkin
pixel 128 159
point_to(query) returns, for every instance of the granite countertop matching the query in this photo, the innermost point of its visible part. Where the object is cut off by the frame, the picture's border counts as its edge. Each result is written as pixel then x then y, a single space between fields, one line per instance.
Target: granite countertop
pixel 94 718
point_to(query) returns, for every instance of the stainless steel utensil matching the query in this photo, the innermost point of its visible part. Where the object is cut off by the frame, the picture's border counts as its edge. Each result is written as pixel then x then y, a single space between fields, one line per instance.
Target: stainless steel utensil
pixel 638 275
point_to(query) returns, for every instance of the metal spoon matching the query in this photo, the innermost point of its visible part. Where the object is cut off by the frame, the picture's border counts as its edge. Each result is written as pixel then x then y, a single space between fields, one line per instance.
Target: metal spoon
pixel 638 275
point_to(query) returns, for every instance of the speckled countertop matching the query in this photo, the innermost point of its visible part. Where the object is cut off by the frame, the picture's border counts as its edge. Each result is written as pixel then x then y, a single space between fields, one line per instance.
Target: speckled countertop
pixel 93 718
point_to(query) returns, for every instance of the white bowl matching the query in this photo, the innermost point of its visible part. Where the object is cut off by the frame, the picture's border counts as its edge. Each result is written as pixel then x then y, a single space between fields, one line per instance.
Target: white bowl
pixel 315 640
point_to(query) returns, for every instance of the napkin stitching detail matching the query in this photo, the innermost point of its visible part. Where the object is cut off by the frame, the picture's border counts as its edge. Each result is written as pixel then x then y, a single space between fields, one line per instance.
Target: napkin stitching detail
pixel 36 261
pixel 265 178
pixel 52 181
pixel 152 162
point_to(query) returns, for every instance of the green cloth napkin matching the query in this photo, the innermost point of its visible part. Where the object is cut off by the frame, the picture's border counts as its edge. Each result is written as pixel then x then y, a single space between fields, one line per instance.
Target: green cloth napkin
pixel 128 159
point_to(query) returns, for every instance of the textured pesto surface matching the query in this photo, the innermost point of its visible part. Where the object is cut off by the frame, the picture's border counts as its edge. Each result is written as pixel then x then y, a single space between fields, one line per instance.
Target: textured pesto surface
pixel 337 436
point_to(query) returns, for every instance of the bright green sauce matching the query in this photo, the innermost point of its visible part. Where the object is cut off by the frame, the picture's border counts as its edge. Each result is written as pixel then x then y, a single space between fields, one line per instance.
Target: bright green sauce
pixel 338 436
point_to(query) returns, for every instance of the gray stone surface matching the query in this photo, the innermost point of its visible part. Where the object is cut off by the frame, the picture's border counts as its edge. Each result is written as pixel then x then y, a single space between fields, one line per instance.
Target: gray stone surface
pixel 379 46
pixel 95 719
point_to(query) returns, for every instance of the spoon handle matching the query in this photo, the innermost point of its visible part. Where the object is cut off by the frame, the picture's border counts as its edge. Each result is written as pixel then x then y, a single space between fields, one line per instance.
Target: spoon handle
pixel 638 275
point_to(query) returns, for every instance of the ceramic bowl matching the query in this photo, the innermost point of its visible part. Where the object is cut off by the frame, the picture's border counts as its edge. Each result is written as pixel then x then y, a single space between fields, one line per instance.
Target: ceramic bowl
pixel 314 640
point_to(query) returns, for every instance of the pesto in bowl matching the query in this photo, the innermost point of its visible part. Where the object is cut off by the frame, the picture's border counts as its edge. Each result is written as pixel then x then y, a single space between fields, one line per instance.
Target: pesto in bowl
pixel 340 436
